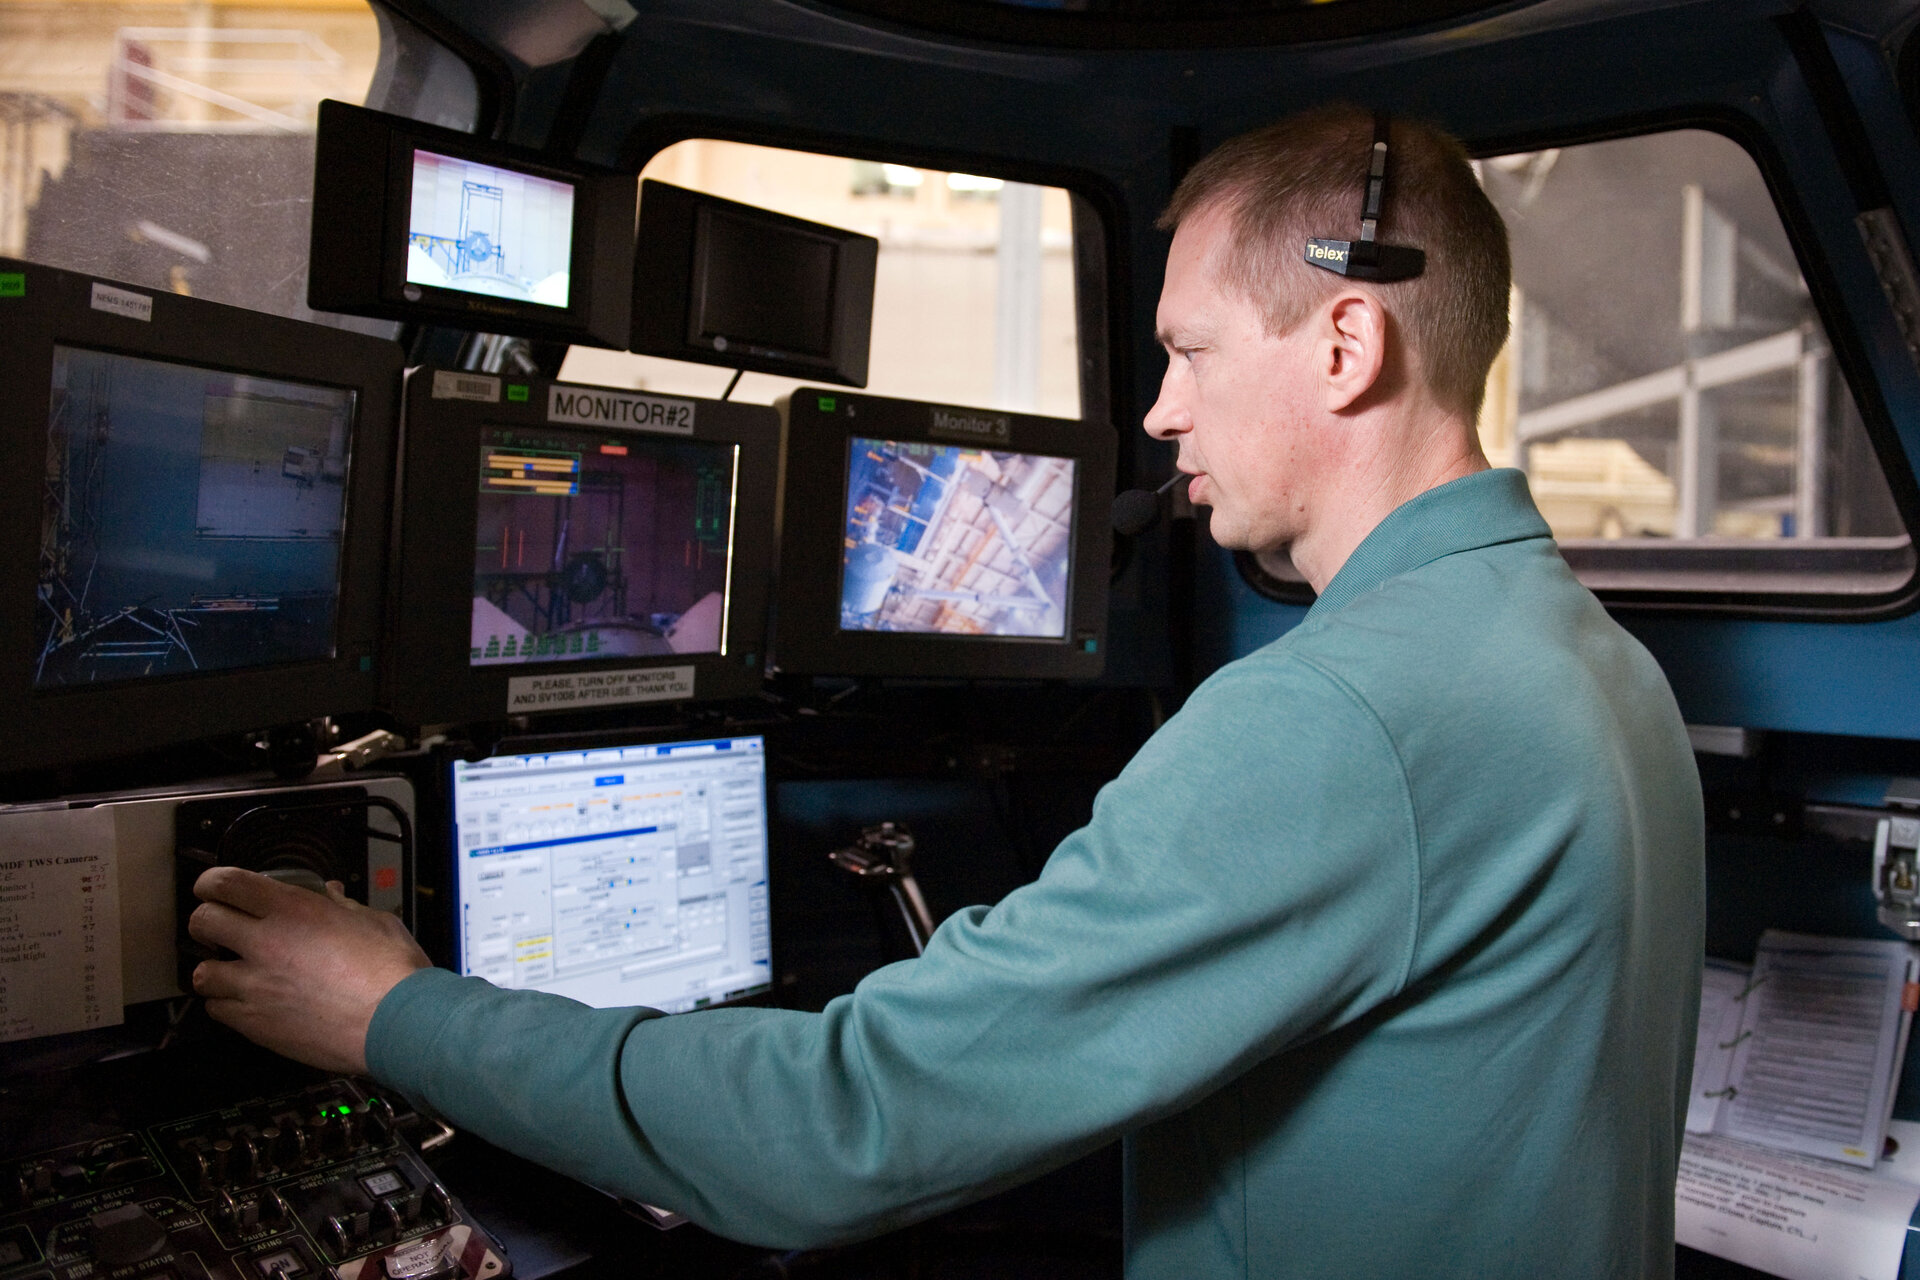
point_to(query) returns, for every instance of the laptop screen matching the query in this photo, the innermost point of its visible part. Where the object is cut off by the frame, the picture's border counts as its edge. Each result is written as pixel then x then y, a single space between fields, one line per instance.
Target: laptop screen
pixel 616 876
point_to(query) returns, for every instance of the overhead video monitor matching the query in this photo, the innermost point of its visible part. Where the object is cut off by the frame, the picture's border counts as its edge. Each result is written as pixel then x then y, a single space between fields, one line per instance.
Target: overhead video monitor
pixel 719 282
pixel 934 540
pixel 617 875
pixel 204 549
pixel 572 548
pixel 413 222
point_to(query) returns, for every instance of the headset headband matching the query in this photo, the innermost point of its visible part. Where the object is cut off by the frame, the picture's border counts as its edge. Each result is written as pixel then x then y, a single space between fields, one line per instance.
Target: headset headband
pixel 1366 258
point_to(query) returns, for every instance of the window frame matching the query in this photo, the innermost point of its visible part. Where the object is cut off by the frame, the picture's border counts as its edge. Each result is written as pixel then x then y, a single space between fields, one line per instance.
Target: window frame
pixel 1699 561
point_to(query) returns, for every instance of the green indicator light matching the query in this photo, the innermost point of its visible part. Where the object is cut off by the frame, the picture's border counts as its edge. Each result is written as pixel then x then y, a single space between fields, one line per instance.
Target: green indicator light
pixel 346 1111
pixel 13 284
pixel 826 404
pixel 517 391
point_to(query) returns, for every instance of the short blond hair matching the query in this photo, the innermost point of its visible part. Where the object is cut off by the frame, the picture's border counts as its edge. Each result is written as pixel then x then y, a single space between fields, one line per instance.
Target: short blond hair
pixel 1305 176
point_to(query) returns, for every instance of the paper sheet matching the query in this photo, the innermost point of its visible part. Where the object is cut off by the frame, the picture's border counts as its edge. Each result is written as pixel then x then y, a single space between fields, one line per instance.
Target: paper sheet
pixel 59 923
pixel 1825 1032
pixel 1723 991
pixel 1794 1216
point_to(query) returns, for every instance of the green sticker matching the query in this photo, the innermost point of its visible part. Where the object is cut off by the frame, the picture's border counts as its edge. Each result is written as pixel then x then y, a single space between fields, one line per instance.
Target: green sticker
pixel 516 391
pixel 13 284
pixel 826 404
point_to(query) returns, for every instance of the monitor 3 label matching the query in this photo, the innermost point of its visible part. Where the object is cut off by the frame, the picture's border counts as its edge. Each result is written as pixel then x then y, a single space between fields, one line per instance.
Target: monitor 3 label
pixel 598 689
pixel 591 406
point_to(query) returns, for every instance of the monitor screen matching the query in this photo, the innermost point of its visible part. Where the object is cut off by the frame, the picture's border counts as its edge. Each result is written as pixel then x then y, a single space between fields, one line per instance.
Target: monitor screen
pixel 956 540
pixel 593 544
pixel 763 284
pixel 482 229
pixel 191 519
pixel 617 876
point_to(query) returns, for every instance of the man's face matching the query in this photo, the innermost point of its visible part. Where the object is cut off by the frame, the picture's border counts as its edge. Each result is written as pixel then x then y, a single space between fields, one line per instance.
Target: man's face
pixel 1235 399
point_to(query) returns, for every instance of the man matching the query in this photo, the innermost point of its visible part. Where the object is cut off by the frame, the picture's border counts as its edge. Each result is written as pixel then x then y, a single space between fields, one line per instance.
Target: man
pixel 1382 954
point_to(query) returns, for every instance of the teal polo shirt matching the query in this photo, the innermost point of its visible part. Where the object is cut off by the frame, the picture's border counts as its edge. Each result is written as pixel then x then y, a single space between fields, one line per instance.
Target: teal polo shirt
pixel 1382 955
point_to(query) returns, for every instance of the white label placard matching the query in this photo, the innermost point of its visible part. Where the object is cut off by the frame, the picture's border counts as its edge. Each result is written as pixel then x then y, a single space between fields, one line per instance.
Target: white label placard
pixel 122 302
pixel 450 385
pixel 59 923
pixel 593 407
pixel 598 689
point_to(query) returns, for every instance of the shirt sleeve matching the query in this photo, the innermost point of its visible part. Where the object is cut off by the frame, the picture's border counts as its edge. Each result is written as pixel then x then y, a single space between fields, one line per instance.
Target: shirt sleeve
pixel 1249 881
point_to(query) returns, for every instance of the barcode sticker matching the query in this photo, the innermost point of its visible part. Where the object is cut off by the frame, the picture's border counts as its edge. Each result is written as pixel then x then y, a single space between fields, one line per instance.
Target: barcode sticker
pixel 448 385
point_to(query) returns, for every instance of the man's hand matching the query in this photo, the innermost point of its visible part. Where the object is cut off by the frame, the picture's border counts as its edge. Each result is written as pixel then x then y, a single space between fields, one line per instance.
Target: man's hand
pixel 311 969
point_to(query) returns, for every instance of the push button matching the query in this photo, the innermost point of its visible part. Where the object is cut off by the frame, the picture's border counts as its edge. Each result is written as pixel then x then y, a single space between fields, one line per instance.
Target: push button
pixel 124 1236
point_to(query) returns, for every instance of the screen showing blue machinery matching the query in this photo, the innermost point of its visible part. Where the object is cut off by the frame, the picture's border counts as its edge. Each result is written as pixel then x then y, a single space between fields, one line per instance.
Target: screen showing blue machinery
pixel 487 230
pixel 596 545
pixel 617 876
pixel 955 540
pixel 191 519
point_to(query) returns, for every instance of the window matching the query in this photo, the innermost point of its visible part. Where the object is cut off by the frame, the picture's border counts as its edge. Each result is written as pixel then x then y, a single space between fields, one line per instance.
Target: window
pixel 171 145
pixel 1668 386
pixel 974 299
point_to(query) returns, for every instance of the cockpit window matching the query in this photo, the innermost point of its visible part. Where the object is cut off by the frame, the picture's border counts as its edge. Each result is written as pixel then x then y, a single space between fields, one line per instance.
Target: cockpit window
pixel 1669 388
pixel 171 145
pixel 974 297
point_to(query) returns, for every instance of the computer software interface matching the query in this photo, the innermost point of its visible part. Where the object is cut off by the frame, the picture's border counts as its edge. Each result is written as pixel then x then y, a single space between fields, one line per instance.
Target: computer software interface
pixel 957 541
pixel 617 876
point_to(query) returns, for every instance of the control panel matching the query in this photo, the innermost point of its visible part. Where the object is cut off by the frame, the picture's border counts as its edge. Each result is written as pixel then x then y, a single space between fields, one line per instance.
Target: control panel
pixel 315 1184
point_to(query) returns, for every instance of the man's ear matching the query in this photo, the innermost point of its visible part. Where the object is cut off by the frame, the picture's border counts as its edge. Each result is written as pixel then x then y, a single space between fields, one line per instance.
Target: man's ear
pixel 1353 347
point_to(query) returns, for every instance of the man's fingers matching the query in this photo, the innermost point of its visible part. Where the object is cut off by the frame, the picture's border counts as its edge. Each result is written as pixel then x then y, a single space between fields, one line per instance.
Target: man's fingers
pixel 248 891
pixel 217 980
pixel 219 925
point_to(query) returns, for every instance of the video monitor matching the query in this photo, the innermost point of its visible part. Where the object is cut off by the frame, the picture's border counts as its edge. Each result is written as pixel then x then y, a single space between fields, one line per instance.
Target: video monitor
pixel 616 876
pixel 414 222
pixel 719 282
pixel 196 519
pixel 204 546
pixel 573 548
pixel 935 540
pixel 479 228
pixel 956 540
pixel 593 544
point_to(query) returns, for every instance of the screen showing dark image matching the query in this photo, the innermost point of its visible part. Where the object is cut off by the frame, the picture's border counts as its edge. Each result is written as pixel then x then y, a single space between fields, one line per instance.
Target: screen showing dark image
pixel 954 540
pixel 763 285
pixel 600 545
pixel 191 520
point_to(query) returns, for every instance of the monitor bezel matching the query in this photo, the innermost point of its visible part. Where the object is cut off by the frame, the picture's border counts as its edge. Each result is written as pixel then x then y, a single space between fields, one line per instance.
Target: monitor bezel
pixel 536 744
pixel 668 265
pixel 432 678
pixel 808 639
pixel 364 159
pixel 76 723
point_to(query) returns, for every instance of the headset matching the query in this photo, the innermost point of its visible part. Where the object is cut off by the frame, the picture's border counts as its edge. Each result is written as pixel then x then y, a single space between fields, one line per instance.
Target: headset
pixel 1366 258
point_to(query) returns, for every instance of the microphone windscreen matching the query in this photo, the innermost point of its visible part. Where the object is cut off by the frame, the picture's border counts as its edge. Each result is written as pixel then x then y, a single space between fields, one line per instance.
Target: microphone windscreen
pixel 1135 511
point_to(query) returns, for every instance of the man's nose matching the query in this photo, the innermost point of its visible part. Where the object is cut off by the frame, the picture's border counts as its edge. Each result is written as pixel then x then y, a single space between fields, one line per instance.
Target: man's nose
pixel 1168 417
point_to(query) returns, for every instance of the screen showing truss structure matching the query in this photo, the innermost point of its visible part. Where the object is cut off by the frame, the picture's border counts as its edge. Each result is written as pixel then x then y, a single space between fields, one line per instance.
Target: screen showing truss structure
pixel 191 519
pixel 482 229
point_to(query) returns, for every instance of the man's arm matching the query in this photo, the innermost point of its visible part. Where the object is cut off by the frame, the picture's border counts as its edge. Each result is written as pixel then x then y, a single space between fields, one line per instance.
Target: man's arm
pixel 1250 881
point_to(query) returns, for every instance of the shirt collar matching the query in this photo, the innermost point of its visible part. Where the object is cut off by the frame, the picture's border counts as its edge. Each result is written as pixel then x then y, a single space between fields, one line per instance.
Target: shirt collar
pixel 1478 510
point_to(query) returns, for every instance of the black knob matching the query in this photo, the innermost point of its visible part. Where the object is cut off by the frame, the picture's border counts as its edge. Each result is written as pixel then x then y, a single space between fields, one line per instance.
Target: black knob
pixel 124 1236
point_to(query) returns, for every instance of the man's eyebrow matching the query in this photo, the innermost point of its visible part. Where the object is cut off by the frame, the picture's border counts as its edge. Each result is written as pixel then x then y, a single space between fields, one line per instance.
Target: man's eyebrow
pixel 1175 337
